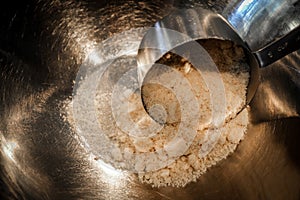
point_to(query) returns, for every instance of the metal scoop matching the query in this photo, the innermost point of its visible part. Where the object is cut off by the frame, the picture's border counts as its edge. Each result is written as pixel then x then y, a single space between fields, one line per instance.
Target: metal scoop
pixel 198 23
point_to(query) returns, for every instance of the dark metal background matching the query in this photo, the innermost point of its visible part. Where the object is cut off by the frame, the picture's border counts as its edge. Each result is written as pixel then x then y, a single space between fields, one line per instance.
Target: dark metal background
pixel 41 47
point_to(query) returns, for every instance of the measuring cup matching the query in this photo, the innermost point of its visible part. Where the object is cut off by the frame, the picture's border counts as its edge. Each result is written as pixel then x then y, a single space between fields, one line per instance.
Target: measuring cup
pixel 198 23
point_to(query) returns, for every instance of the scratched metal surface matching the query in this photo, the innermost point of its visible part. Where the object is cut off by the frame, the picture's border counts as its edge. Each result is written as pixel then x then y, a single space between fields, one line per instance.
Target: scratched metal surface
pixel 43 43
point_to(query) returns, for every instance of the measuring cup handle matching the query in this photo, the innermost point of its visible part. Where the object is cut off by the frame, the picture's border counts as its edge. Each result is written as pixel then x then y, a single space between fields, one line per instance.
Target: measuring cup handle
pixel 279 48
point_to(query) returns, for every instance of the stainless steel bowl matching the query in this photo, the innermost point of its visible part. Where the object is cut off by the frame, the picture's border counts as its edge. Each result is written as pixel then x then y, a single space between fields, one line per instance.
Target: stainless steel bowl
pixel 43 43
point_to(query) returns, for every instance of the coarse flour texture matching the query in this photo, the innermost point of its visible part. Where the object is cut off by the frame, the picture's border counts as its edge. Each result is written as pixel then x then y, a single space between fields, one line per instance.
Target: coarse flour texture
pixel 191 164
pixel 235 74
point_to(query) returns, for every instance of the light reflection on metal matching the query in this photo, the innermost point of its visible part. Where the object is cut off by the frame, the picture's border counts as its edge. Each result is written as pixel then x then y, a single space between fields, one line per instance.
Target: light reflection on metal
pixel 252 10
pixel 114 178
pixel 259 22
pixel 8 148
pixel 109 170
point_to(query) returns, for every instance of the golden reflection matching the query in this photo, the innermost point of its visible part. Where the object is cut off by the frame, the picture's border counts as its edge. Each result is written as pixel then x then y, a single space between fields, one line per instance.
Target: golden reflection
pixel 109 170
pixel 8 148
pixel 114 178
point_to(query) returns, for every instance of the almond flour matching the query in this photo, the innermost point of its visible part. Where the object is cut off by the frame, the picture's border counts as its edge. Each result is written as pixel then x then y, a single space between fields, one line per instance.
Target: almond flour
pixel 160 106
pixel 235 74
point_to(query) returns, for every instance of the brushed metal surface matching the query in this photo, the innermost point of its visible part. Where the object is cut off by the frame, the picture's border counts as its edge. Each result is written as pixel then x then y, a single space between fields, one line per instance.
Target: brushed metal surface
pixel 43 43
pixel 259 22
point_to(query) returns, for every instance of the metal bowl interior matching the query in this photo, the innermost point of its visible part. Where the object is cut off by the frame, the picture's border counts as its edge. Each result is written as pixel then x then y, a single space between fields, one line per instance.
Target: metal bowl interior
pixel 42 47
